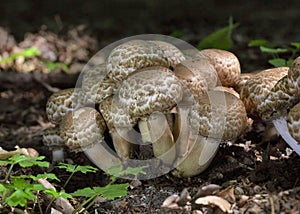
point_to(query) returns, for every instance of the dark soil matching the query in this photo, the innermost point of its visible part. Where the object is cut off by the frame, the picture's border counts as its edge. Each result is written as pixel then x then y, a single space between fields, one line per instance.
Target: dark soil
pixel 263 177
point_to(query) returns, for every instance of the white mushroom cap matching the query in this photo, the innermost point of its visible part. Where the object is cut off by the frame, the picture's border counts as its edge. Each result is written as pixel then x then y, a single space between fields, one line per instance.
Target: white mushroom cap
pixel 226 64
pixel 82 128
pixel 62 102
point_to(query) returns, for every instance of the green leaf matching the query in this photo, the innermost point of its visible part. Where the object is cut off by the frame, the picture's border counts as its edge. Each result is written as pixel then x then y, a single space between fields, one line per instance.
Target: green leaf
pixel 27 53
pixel 27 161
pixel 77 168
pixel 258 42
pixel 177 33
pixel 296 44
pixel 273 50
pixel 278 62
pixel 110 191
pixel 220 39
pixel 53 65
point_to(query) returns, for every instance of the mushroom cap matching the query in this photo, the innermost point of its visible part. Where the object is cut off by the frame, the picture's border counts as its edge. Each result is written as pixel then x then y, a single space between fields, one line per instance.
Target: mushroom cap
pixel 51 137
pixel 257 88
pixel 195 69
pixel 115 114
pixel 82 128
pixel 244 77
pixel 62 102
pixel 226 64
pixel 149 90
pixel 91 81
pixel 283 96
pixel 132 56
pixel 293 122
pixel 173 54
pixel 211 118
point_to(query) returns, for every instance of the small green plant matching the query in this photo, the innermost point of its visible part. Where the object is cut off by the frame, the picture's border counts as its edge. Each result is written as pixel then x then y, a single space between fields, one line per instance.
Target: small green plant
pixel 20 190
pixel 110 191
pixel 280 56
pixel 34 52
pixel 220 39
pixel 27 53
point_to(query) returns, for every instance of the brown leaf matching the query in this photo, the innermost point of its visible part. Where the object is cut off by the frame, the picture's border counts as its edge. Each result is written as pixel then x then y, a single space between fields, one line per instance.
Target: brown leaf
pixel 213 200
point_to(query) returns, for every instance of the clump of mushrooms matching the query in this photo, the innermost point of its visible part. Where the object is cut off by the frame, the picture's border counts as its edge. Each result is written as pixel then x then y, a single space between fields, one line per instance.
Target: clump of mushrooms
pixel 149 91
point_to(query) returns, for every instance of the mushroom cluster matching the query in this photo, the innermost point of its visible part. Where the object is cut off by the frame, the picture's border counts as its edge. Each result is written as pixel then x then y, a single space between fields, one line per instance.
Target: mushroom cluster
pixel 181 103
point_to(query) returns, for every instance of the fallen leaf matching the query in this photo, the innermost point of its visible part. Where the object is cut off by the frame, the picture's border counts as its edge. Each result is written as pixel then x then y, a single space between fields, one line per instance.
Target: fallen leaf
pixel 213 200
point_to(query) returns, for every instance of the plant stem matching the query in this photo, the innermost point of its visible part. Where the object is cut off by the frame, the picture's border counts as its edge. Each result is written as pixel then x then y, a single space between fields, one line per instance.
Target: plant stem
pixel 8 173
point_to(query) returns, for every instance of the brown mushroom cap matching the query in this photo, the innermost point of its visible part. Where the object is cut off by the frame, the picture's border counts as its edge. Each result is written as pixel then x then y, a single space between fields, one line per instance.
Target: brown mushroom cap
pixel 132 56
pixel 293 123
pixel 82 128
pixel 150 90
pixel 226 64
pixel 283 96
pixel 62 102
pixel 91 81
pixel 172 53
pixel 211 116
pixel 257 88
pixel 197 72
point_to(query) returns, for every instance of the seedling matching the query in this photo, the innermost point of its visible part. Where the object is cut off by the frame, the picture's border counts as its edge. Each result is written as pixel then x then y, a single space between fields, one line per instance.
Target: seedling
pixel 20 190
pixel 220 39
pixel 34 52
pixel 276 52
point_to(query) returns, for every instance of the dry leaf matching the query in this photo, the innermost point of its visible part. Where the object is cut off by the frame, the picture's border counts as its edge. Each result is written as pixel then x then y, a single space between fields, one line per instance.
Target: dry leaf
pixel 213 200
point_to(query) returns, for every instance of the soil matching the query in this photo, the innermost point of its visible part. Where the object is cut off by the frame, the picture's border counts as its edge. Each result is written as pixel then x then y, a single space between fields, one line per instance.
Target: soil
pixel 260 170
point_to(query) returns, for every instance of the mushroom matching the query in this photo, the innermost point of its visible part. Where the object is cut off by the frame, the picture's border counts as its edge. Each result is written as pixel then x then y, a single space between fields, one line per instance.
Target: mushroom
pixel 52 139
pixel 149 94
pixel 211 123
pixel 281 98
pixel 83 130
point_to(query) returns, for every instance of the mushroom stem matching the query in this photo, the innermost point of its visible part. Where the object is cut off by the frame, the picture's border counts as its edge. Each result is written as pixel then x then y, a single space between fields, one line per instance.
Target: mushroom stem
pixel 201 154
pixel 122 143
pixel 155 130
pixel 102 156
pixel 161 138
pixel 281 126
pixel 57 154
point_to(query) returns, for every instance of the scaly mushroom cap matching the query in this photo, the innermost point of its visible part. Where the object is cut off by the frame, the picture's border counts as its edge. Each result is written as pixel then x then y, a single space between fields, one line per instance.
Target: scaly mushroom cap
pixel 211 116
pixel 82 128
pixel 283 96
pixel 62 102
pixel 226 64
pixel 150 90
pixel 244 77
pixel 196 70
pixel 91 81
pixel 51 138
pixel 173 54
pixel 257 88
pixel 293 122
